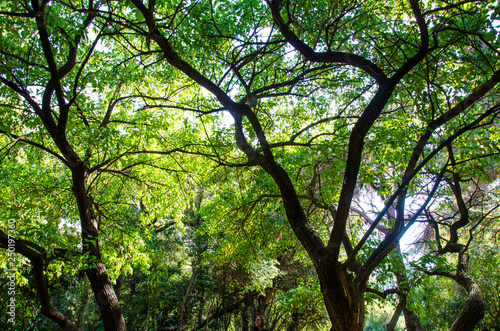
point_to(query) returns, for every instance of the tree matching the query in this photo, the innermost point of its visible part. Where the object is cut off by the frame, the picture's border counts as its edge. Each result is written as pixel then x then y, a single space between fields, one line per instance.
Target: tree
pixel 389 68
pixel 326 98
pixel 24 70
pixel 65 119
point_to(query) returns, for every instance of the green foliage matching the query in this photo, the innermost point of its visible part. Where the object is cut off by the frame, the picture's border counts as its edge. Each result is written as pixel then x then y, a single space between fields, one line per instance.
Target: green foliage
pixel 184 214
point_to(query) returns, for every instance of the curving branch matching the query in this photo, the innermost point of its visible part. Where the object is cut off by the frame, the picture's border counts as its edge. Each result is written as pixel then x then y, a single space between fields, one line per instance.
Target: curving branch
pixel 56 74
pixel 452 245
pixel 413 169
pixel 447 8
pixel 323 57
pixel 35 254
pixel 473 310
pixel 424 43
pixel 458 109
pixel 391 239
pixel 385 293
pixel 295 214
pixel 54 82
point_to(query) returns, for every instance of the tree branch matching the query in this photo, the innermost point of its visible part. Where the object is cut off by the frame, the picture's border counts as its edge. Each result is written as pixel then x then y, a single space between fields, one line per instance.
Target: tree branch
pixel 30 251
pixel 323 57
pixel 37 145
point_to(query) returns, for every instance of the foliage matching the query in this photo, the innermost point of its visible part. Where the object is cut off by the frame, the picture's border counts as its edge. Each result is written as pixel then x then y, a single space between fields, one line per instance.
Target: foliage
pixel 216 160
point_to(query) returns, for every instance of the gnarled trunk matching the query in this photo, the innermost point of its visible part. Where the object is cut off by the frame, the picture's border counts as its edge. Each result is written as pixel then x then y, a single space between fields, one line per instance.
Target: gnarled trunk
pixel 473 310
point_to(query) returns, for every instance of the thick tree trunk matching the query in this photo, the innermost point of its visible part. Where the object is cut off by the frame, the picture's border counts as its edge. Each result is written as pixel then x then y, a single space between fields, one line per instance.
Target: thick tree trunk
pixel 102 287
pixel 472 312
pixel 341 303
pixel 109 307
pixel 412 321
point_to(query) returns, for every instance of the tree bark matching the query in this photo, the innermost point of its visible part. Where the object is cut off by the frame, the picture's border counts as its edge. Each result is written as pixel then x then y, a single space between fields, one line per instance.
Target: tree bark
pixel 473 310
pixel 341 301
pixel 102 287
pixel 395 317
pixel 412 321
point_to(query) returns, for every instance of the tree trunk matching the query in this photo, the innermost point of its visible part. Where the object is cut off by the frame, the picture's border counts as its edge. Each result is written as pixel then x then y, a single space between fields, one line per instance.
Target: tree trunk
pixel 412 321
pixel 472 312
pixel 342 309
pixel 109 307
pixel 391 326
